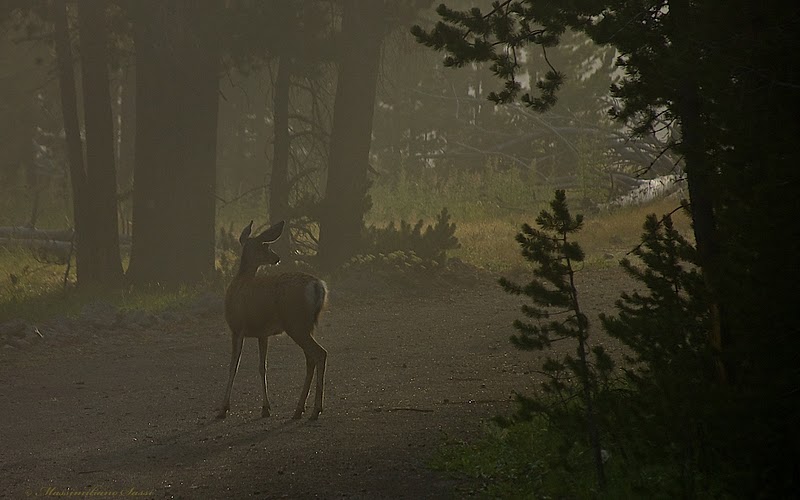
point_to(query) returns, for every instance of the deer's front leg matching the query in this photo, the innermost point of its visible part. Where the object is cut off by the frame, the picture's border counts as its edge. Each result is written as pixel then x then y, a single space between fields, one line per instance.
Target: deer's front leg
pixel 262 368
pixel 237 339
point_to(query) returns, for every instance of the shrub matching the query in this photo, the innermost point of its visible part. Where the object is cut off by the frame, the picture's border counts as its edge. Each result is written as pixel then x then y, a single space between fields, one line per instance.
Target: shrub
pixel 430 245
pixel 570 381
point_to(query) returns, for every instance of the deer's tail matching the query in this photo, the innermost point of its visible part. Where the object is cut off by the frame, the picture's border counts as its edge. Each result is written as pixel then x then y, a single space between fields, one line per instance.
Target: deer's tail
pixel 317 295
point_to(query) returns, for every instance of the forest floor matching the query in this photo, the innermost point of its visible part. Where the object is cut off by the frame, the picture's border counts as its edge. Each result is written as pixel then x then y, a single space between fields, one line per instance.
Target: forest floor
pixel 129 410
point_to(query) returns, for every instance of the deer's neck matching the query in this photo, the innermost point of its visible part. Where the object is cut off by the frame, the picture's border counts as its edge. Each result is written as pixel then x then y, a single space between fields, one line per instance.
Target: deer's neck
pixel 246 269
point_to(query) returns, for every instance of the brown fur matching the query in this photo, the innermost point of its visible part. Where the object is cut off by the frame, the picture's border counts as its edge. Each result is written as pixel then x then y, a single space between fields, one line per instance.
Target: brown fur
pixel 271 304
pixel 262 306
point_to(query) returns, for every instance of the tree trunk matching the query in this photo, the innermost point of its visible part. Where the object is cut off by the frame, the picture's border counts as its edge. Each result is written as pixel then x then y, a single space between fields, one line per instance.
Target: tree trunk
pixel 699 177
pixel 196 170
pixel 101 187
pixel 591 417
pixel 155 155
pixel 72 133
pixel 279 180
pixel 342 219
pixel 176 138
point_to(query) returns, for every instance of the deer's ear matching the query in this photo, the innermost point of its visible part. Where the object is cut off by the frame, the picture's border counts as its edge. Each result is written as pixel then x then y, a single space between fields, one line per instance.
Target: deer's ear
pixel 272 233
pixel 246 233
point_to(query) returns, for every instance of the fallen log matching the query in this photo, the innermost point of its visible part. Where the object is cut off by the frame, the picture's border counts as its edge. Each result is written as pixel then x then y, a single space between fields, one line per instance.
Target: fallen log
pixel 647 191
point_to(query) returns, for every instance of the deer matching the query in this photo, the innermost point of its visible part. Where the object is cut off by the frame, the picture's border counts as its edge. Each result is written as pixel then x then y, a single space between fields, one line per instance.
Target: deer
pixel 261 306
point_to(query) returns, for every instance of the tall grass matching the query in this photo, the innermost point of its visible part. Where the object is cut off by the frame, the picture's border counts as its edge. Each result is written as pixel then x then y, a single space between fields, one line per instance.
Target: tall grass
pixel 469 196
pixel 54 205
pixel 488 208
pixel 536 459
pixel 34 290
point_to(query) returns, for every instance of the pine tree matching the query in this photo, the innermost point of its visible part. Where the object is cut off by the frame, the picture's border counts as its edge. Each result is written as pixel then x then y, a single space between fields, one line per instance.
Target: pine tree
pixel 725 76
pixel 557 313
pixel 670 367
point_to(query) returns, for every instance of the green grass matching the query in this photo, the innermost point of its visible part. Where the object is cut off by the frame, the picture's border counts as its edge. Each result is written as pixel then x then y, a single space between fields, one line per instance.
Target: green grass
pixel 469 196
pixel 488 209
pixel 526 460
pixel 16 206
pixel 33 290
pixel 535 460
pixel 29 287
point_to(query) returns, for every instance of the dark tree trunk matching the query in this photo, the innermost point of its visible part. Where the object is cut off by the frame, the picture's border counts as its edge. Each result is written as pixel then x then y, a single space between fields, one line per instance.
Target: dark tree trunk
pixel 155 155
pixel 699 176
pixel 198 112
pixel 699 180
pixel 101 187
pixel 176 137
pixel 72 132
pixel 279 180
pixel 342 219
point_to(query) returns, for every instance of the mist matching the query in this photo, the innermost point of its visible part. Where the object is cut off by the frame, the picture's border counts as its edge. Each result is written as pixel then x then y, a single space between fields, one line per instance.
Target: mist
pixel 474 238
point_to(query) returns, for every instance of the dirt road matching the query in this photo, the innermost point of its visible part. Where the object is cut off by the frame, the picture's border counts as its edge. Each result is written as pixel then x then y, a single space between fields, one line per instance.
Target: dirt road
pixel 131 412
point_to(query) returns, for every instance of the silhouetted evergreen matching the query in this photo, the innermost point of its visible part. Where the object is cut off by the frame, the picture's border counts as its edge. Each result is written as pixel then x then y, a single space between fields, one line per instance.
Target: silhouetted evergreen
pixel 670 395
pixel 558 317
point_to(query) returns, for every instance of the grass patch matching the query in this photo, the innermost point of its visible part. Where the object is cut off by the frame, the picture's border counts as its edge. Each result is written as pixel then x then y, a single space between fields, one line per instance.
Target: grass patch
pixel 29 287
pixel 54 205
pixel 33 290
pixel 526 460
pixel 487 207
pixel 535 460
pixel 622 228
pixel 468 196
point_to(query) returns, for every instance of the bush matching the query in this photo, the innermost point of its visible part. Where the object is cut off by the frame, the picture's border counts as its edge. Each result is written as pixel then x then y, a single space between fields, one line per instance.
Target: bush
pixel 553 316
pixel 668 430
pixel 430 245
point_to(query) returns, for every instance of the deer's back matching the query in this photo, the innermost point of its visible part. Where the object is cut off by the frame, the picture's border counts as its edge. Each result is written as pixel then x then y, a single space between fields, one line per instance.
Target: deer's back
pixel 271 304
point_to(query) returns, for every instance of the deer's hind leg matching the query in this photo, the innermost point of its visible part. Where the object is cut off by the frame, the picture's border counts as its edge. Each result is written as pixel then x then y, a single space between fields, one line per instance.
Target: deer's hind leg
pixel 237 339
pixel 315 361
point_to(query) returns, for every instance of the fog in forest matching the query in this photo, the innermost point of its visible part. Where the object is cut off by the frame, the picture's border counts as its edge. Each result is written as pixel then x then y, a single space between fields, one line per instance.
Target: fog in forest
pixel 490 244
pixel 195 120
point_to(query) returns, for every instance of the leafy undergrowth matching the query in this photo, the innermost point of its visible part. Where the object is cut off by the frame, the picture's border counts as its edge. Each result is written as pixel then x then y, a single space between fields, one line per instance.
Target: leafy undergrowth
pixel 535 460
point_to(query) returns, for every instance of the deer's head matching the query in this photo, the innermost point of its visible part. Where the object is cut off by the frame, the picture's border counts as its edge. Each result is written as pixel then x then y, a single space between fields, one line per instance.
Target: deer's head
pixel 255 250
